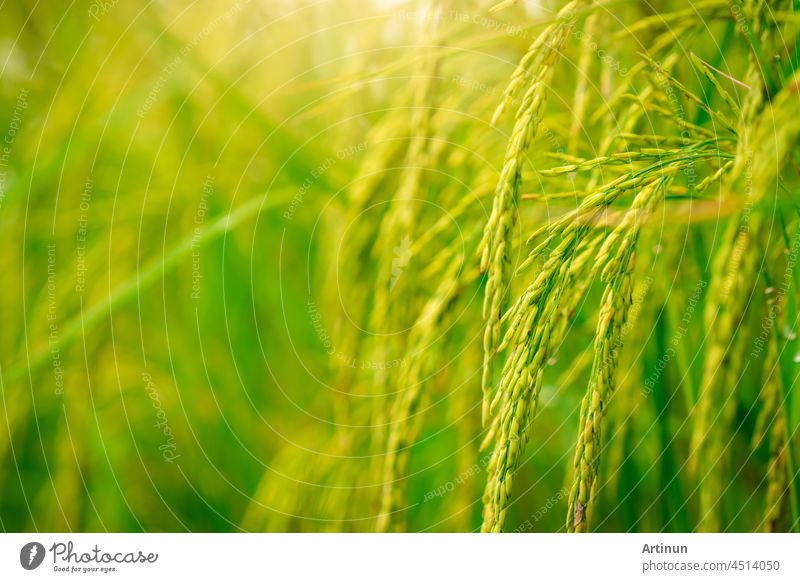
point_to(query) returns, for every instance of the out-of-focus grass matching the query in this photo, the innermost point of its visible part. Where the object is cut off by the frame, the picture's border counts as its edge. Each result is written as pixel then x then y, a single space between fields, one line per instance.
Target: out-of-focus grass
pixel 128 112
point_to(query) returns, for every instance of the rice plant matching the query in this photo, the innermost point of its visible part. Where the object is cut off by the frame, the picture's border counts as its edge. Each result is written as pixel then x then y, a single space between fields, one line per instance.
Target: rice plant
pixel 441 265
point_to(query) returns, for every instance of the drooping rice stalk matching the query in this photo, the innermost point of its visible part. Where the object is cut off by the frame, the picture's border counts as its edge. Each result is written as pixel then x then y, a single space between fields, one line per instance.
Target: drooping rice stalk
pixel 529 335
pixel 617 260
pixel 530 79
pixel 533 317
pixel 772 426
pixel 422 352
pixel 766 140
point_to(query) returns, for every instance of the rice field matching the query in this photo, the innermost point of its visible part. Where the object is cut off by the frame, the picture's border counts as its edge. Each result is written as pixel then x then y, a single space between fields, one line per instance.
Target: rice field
pixel 400 266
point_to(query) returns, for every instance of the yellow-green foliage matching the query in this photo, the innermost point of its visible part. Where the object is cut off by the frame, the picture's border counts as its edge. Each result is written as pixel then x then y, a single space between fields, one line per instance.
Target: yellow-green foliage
pixel 386 266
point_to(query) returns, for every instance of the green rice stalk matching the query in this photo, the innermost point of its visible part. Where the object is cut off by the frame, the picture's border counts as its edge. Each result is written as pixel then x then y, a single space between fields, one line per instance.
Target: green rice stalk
pixel 422 353
pixel 772 133
pixel 772 424
pixel 616 258
pixel 534 72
